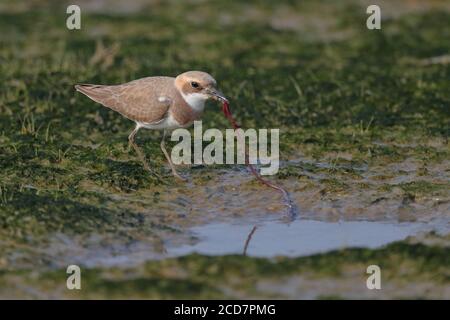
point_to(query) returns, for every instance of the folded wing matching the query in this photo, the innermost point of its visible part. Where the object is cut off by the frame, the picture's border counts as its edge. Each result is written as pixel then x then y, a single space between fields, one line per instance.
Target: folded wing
pixel 145 100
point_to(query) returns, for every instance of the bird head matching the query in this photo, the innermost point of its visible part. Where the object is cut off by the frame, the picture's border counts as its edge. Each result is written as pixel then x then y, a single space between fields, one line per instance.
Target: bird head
pixel 196 87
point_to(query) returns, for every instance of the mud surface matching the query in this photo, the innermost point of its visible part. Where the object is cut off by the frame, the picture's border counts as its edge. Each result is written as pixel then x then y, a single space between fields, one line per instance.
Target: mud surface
pixel 364 126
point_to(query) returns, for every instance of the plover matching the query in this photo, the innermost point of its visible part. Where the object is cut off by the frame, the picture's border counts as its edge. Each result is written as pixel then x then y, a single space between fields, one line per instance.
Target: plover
pixel 158 103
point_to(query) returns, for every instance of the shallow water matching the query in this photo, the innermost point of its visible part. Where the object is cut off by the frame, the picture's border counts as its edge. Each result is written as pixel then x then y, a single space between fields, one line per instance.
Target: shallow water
pixel 299 238
pixel 272 238
pixel 219 216
pixel 215 216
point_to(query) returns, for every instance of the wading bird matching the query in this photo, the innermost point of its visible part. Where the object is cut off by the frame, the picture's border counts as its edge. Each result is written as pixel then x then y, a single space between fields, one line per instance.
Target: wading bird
pixel 158 103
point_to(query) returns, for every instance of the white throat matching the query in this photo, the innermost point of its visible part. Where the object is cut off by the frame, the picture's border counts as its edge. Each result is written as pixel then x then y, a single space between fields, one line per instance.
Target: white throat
pixel 195 100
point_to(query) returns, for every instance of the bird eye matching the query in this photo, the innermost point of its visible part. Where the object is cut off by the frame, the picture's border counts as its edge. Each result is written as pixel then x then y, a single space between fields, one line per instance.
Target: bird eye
pixel 194 84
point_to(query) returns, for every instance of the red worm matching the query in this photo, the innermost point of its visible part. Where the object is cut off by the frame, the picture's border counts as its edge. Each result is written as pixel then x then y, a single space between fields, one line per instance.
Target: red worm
pixel 288 202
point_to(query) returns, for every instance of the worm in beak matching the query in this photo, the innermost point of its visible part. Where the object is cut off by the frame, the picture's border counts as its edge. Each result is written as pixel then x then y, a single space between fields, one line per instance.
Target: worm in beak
pixel 216 95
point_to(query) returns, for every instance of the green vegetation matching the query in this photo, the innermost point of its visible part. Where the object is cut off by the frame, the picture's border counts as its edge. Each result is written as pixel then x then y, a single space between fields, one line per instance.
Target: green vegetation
pixel 364 119
pixel 203 277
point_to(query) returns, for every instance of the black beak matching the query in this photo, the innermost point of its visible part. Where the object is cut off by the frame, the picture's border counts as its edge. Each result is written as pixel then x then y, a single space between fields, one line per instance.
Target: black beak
pixel 217 95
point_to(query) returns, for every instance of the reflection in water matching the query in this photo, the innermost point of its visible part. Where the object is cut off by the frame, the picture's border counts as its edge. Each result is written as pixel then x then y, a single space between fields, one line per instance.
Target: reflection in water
pixel 299 238
pixel 249 237
pixel 268 239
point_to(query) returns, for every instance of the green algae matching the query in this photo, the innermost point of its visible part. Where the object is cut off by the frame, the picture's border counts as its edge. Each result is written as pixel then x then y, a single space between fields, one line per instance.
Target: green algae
pixel 364 121
pixel 199 277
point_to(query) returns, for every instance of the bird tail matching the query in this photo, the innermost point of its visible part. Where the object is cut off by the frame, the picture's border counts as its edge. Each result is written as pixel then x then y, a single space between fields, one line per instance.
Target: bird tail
pixel 93 91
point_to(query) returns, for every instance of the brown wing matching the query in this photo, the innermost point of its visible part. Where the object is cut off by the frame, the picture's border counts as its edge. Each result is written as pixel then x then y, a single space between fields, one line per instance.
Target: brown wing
pixel 145 100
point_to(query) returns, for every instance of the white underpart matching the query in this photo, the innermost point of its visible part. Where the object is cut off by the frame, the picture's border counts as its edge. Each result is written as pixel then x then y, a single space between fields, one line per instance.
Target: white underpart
pixel 168 123
pixel 195 100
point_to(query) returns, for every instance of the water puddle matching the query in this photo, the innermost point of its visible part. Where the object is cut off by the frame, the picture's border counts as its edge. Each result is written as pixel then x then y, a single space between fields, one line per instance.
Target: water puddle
pixel 229 213
pixel 299 238
pixel 270 238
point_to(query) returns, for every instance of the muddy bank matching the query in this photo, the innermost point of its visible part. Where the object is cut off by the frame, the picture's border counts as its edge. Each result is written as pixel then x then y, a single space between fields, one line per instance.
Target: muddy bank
pixel 410 270
pixel 363 118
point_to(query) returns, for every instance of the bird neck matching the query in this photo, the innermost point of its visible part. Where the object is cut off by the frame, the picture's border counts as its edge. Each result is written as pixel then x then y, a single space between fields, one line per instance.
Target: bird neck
pixel 195 100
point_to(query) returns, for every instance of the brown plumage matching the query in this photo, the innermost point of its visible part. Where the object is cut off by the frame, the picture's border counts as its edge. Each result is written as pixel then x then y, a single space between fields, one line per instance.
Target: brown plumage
pixel 157 102
pixel 137 100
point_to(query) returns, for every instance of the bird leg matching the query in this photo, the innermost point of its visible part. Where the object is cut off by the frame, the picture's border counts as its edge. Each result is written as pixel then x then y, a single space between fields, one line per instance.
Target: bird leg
pixel 138 150
pixel 163 148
